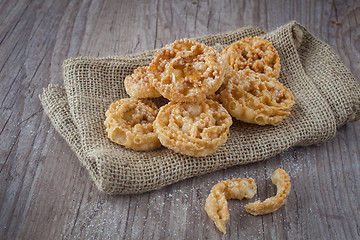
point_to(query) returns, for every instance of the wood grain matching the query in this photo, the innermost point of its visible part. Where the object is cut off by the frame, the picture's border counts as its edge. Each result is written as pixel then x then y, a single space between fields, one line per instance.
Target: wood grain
pixel 45 193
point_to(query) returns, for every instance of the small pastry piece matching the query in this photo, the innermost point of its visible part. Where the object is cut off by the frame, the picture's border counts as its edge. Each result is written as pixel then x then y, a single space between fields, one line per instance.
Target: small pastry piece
pixel 282 181
pixel 187 71
pixel 194 129
pixel 256 98
pixel 138 85
pixel 129 122
pixel 254 53
pixel 216 205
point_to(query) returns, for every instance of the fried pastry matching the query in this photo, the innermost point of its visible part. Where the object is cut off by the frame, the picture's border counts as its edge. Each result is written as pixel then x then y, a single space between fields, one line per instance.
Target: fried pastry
pixel 282 181
pixel 256 98
pixel 254 53
pixel 216 204
pixel 138 85
pixel 129 122
pixel 194 129
pixel 187 71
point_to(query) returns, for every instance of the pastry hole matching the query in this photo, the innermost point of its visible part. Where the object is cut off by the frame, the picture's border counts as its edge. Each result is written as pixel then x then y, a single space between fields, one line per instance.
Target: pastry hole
pixel 119 136
pixel 244 54
pixel 253 92
pixel 260 119
pixel 137 140
pixel 232 106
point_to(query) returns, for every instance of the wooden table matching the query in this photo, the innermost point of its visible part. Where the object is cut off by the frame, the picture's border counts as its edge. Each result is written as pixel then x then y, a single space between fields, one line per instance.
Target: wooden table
pixel 45 192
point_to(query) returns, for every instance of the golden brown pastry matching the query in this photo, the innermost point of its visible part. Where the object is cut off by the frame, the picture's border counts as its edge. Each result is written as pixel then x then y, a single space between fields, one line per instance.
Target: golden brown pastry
pixel 253 53
pixel 216 204
pixel 129 122
pixel 194 129
pixel 187 71
pixel 138 85
pixel 282 181
pixel 256 98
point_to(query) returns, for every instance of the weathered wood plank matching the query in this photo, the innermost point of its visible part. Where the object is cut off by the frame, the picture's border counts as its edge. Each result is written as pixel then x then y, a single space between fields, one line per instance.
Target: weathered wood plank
pixel 45 193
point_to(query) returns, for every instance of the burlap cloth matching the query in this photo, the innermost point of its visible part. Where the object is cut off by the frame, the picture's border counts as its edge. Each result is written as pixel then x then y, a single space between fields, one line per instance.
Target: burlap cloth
pixel 327 96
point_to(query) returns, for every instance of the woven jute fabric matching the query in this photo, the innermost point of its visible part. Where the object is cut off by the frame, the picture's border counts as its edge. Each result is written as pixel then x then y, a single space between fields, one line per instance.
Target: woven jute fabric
pixel 327 96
